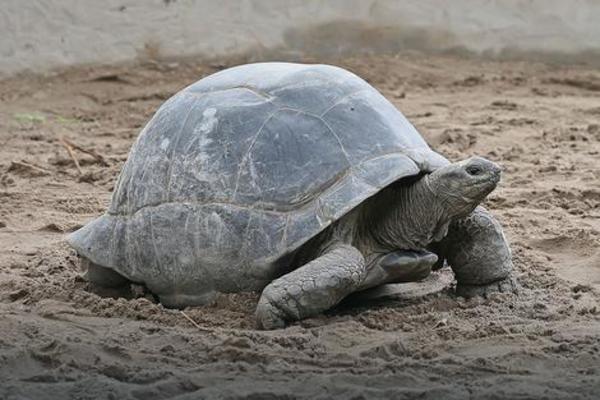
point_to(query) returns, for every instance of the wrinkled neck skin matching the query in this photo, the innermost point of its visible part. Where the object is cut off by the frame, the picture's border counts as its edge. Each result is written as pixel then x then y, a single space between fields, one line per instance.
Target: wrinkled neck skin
pixel 406 217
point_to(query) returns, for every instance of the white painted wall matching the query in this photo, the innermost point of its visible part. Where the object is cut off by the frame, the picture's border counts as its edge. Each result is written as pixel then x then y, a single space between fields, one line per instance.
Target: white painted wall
pixel 40 35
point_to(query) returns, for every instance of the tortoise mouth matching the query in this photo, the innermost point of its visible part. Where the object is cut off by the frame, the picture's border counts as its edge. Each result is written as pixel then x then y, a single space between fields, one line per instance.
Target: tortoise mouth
pixel 490 181
pixel 479 191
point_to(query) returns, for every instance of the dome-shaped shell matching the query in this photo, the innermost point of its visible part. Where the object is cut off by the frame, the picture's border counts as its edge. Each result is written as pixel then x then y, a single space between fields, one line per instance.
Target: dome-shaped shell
pixel 243 167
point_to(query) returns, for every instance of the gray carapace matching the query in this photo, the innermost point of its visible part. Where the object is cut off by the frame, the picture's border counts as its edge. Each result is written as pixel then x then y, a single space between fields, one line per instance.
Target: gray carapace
pixel 299 180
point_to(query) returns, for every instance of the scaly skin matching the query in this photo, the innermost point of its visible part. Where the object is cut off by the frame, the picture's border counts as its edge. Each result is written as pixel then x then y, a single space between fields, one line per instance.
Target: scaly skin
pixel 479 255
pixel 399 266
pixel 312 288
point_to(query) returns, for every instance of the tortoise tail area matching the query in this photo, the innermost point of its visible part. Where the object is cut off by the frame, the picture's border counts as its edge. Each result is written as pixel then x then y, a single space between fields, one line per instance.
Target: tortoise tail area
pixel 102 241
pixel 142 249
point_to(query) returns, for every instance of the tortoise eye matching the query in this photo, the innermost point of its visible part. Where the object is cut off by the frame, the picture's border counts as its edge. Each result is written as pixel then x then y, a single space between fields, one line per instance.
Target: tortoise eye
pixel 474 170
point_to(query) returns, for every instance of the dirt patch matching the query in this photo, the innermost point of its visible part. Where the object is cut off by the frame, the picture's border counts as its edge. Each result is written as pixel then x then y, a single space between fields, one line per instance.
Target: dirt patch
pixel 59 338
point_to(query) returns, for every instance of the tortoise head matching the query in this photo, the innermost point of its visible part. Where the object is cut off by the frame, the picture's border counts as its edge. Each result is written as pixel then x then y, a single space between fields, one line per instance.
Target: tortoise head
pixel 461 186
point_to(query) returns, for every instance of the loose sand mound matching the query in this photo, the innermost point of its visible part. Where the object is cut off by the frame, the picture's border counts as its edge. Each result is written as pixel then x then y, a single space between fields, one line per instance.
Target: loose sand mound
pixel 61 339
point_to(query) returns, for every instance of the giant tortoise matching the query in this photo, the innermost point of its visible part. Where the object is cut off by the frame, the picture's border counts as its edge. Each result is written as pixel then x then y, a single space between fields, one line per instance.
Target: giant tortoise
pixel 301 181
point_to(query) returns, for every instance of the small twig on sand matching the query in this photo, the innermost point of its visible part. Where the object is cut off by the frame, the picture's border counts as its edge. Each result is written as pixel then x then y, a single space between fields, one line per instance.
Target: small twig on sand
pixel 195 323
pixel 15 165
pixel 71 154
pixel 99 157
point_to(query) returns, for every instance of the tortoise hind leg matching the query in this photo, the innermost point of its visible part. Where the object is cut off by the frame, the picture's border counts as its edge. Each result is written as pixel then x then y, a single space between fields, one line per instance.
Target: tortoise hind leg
pixel 105 282
pixel 102 276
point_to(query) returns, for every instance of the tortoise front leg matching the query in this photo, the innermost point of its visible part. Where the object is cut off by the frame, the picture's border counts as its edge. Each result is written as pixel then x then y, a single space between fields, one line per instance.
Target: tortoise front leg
pixel 312 288
pixel 399 266
pixel 479 255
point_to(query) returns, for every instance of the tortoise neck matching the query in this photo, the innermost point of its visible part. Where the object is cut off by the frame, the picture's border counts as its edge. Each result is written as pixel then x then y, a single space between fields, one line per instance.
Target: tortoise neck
pixel 407 217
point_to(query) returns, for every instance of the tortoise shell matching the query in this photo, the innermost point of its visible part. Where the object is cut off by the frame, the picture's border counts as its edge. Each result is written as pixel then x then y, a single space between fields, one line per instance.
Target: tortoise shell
pixel 242 168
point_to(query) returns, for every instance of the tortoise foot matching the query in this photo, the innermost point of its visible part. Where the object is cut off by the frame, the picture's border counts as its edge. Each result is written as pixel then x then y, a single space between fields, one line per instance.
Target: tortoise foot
pixel 311 289
pixel 268 316
pixel 506 285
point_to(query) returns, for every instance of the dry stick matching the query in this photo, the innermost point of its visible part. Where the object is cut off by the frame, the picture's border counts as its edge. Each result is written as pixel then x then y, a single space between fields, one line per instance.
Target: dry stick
pixel 30 166
pixel 99 157
pixel 72 154
pixel 195 323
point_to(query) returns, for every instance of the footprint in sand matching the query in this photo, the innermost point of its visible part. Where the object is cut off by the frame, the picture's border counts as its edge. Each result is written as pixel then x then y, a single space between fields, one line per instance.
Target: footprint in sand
pixel 585 271
pixel 574 259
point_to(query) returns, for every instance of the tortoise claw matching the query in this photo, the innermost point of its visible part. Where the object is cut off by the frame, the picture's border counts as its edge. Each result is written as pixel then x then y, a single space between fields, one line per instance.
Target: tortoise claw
pixel 269 316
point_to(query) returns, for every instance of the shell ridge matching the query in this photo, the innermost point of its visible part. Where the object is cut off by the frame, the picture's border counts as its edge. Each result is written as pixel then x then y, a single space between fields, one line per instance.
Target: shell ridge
pixel 197 252
pixel 113 239
pixel 283 242
pixel 337 138
pixel 335 135
pixel 244 159
pixel 153 240
pixel 255 206
pixel 174 147
pixel 259 93
pixel 134 152
pixel 341 100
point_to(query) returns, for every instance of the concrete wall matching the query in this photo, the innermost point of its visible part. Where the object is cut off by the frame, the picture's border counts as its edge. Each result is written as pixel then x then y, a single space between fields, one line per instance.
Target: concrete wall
pixel 40 35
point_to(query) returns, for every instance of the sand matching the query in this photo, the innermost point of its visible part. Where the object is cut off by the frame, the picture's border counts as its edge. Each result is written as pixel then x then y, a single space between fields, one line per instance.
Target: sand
pixel 62 339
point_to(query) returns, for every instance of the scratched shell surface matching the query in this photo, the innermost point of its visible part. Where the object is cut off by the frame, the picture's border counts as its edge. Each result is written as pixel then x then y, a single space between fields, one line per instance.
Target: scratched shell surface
pixel 241 168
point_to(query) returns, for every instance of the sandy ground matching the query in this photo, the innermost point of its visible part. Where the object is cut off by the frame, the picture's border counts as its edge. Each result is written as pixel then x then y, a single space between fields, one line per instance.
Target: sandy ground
pixel 60 339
